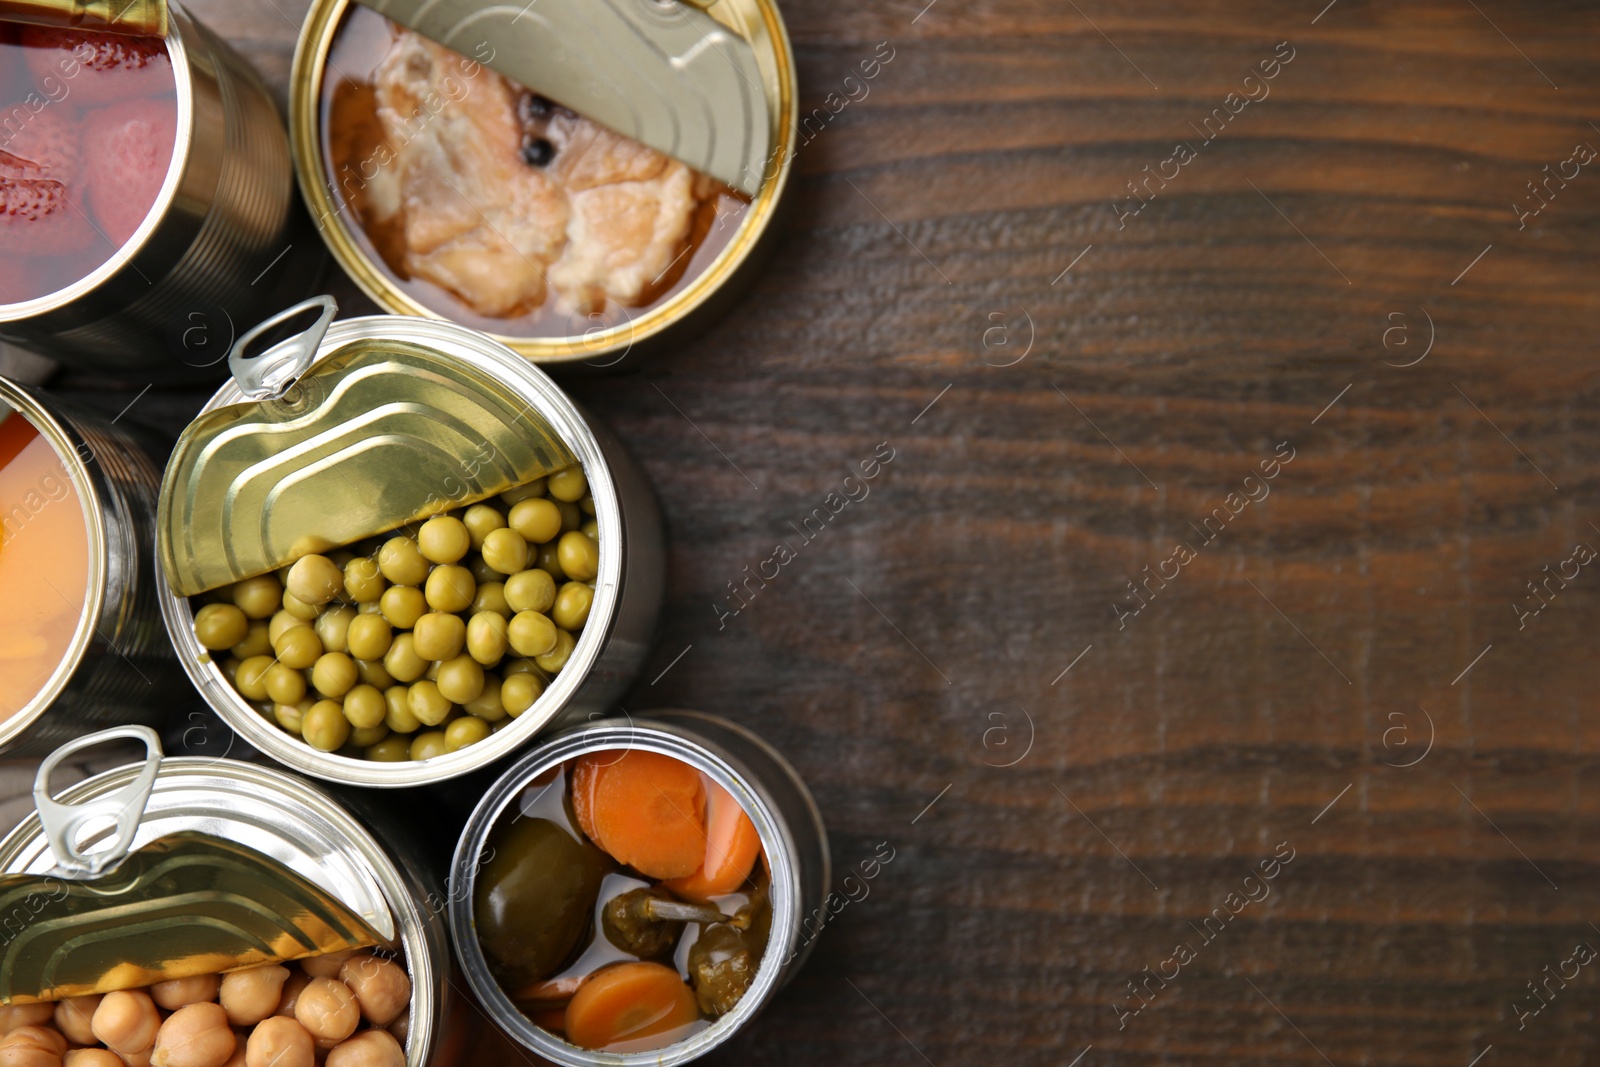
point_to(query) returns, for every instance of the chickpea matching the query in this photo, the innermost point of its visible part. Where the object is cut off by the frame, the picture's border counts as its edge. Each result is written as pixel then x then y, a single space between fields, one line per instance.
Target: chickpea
pixel 401 1027
pixel 13 1016
pixel 251 679
pixel 292 987
pixel 568 485
pixel 537 520
pixel 328 964
pixel 392 749
pixel 380 985
pixel 486 637
pixel 481 520
pixel 571 516
pixel 363 581
pixel 430 706
pixel 402 606
pixel 195 1035
pixel 518 692
pixel 279 623
pixel 557 657
pixel 402 661
pixel 257 642
pixel 30 1047
pixel 364 707
pixel 443 539
pixel 461 679
pixel 258 597
pixel 438 636
pixel 250 995
pixel 180 992
pixel 74 1016
pixel 450 588
pixel 548 559
pixel 280 1042
pixel 572 606
pixel 368 637
pixel 467 730
pixel 487 705
pixel 505 551
pixel 324 726
pixel 428 745
pixel 333 628
pixel 491 596
pixel 579 556
pixel 531 634
pixel 328 1009
pixel 530 590
pixel 401 562
pixel 91 1057
pixel 333 674
pixel 220 626
pixel 518 493
pixel 292 717
pixel 367 736
pixel 373 674
pixel 298 647
pixel 397 710
pixel 284 685
pixel 126 1021
pixel 374 1048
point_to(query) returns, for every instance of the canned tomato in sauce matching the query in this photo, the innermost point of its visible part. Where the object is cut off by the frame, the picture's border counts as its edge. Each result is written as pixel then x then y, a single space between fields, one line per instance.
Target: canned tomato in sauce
pixel 448 191
pixel 634 891
pixel 147 206
pixel 80 640
pixel 452 608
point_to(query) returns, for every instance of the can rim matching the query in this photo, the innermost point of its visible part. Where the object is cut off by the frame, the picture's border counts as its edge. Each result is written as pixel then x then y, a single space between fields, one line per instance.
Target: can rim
pixel 777 841
pixel 305 134
pixel 90 500
pixel 534 386
pixel 177 54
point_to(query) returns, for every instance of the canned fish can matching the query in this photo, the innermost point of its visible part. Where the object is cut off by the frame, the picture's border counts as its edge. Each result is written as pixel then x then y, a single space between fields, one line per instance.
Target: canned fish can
pixel 734 764
pixel 80 646
pixel 389 883
pixel 168 271
pixel 370 430
pixel 364 139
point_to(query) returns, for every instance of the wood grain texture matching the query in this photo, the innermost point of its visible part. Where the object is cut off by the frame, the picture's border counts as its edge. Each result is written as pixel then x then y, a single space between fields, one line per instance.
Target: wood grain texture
pixel 1083 421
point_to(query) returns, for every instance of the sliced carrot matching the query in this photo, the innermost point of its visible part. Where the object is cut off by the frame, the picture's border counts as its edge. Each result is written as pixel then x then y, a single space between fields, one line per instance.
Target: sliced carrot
pixel 552 1019
pixel 552 991
pixel 645 809
pixel 732 846
pixel 627 1002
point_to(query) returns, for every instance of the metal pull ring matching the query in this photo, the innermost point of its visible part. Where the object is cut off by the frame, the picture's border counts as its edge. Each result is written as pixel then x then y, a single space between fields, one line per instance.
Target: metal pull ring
pixel 270 373
pixel 63 821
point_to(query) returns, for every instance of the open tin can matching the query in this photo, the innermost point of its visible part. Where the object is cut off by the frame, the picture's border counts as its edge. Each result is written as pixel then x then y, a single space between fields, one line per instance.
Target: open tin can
pixel 370 426
pixel 96 830
pixel 791 878
pixel 178 221
pixel 81 646
pixel 426 171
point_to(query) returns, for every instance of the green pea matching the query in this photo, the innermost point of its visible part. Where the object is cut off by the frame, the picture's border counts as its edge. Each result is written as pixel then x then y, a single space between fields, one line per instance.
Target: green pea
pixel 220 626
pixel 443 539
pixel 531 634
pixel 324 726
pixel 572 606
pixel 463 732
pixel 530 590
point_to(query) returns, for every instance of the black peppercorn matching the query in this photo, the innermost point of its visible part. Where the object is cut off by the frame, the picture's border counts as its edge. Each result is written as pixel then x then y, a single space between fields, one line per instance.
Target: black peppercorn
pixel 538 151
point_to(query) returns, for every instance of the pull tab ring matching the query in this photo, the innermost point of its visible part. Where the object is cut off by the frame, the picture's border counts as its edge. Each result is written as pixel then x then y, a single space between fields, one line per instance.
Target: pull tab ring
pixel 63 821
pixel 270 373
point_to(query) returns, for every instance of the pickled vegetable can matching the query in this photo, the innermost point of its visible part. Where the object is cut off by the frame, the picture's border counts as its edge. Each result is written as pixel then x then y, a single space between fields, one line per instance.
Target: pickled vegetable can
pixel 567 947
pixel 158 214
pixel 448 189
pixel 81 645
pixel 83 835
pixel 338 454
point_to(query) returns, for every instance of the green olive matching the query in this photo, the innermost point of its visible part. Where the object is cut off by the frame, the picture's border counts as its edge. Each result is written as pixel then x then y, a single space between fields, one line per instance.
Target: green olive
pixel 579 556
pixel 518 692
pixel 491 596
pixel 402 562
pixel 402 661
pixel 333 674
pixel 443 539
pixel 463 732
pixel 258 597
pixel 368 637
pixel 591 529
pixel 430 706
pixel 251 678
pixel 403 605
pixel 439 636
pixel 450 588
pixel 363 581
pixel 364 707
pixel 530 590
pixel 487 706
pixel 480 520
pixel 315 579
pixel 373 674
pixel 298 647
pixel 531 634
pixel 367 736
pixel 397 710
pixel 505 551
pixel 486 637
pixel 515 495
pixel 220 626
pixel 284 685
pixel 568 485
pixel 547 560
pixel 333 628
pixel 460 679
pixel 257 641
pixel 538 520
pixel 291 716
pixel 324 726
pixel 392 749
pixel 571 516
pixel 298 608
pixel 428 745
pixel 557 657
pixel 572 606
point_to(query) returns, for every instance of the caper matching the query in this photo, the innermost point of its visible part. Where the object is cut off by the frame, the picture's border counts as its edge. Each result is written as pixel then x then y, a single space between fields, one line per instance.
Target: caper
pixel 284 685
pixel 486 705
pixel 365 708
pixel 324 726
pixel 315 579
pixel 251 679
pixel 258 597
pixel 722 966
pixel 439 636
pixel 298 647
pixel 505 551
pixel 463 732
pixel 538 520
pixel 369 637
pixel 430 706
pixel 486 637
pixel 428 745
pixel 491 596
pixel 481 520
pixel 402 562
pixel 402 606
pixel 299 608
pixel 548 559
pixel 402 661
pixel 461 679
pixel 572 606
pixel 363 581
pixel 220 626
pixel 333 628
pixel 443 539
pixel 397 710
pixel 635 934
pixel 257 641
pixel 569 485
pixel 530 590
pixel 579 556
pixel 450 588
pixel 518 692
pixel 531 634
pixel 392 749
pixel 517 494
pixel 557 657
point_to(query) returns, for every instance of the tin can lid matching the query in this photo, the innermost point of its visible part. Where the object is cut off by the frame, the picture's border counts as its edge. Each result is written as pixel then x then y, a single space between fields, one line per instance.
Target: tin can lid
pixel 138 18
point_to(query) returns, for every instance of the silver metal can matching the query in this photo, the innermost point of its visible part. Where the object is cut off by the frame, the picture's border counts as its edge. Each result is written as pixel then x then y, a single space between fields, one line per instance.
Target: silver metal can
pixel 118 666
pixel 226 243
pixel 614 642
pixel 772 794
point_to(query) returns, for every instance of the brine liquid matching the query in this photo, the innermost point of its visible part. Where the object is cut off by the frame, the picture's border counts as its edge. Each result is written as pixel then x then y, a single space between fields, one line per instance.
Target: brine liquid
pixel 88 125
pixel 44 561
pixel 353 139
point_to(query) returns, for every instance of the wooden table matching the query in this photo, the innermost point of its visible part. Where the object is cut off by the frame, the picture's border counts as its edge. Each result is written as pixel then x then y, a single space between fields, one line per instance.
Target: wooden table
pixel 1090 300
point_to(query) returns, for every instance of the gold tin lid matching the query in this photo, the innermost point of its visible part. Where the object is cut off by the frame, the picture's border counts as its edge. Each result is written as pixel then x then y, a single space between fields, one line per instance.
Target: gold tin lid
pixel 138 18
pixel 375 435
pixel 756 22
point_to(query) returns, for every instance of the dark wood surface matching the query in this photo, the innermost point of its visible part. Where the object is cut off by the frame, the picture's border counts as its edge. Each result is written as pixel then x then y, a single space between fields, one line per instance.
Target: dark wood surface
pixel 1342 668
